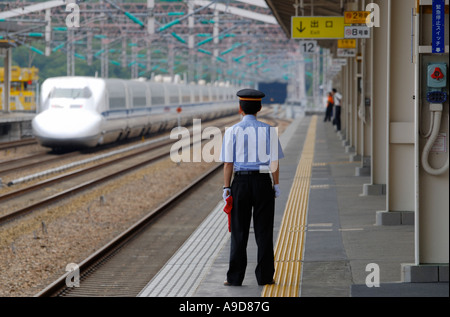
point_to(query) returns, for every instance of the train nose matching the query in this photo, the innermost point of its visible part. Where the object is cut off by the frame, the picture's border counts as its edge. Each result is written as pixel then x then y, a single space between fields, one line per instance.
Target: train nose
pixel 60 128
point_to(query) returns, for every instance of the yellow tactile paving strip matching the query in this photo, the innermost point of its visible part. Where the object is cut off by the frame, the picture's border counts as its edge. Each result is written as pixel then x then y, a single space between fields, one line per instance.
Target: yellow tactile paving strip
pixel 290 242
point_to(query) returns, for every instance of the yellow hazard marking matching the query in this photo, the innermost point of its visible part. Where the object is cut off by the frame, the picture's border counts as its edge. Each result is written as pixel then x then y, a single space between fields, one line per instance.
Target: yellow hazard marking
pixel 290 242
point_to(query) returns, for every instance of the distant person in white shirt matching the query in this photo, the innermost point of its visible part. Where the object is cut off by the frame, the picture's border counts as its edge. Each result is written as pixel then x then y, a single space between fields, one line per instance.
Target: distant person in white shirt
pixel 337 113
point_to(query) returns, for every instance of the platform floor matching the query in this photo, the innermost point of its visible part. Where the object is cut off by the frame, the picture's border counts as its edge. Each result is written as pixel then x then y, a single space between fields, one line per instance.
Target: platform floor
pixel 8 117
pixel 340 235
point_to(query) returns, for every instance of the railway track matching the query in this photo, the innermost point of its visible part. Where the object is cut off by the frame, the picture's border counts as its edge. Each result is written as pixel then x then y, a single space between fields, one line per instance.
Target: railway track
pixel 18 143
pixel 17 223
pixel 126 264
pixel 27 162
pixel 74 189
pixel 47 157
pixel 111 252
pixel 44 158
pixel 83 184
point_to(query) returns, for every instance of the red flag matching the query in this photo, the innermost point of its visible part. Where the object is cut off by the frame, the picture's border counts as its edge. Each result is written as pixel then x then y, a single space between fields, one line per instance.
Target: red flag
pixel 227 210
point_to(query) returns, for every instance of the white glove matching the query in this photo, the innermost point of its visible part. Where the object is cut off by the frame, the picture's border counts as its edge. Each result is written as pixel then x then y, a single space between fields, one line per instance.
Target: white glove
pixel 277 191
pixel 226 194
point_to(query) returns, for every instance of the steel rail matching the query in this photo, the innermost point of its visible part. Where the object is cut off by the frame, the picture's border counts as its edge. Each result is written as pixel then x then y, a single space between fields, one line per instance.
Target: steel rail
pixel 78 172
pixel 42 161
pixel 106 251
pixel 77 188
pixel 13 144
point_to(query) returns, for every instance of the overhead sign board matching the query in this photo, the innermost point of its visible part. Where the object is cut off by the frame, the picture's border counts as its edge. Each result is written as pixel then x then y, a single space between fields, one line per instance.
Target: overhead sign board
pixel 317 27
pixel 346 52
pixel 308 46
pixel 357 32
pixel 335 68
pixel 346 43
pixel 355 17
pixel 339 61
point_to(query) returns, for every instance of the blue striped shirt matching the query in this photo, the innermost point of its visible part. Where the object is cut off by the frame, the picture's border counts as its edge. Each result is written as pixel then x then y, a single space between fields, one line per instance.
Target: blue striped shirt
pixel 251 145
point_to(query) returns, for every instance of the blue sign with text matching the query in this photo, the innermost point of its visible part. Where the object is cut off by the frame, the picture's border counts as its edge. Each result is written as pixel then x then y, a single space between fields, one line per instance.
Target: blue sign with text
pixel 438 22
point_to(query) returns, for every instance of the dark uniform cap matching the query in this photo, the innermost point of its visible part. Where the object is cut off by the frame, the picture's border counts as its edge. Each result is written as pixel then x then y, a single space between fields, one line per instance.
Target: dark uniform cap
pixel 250 100
pixel 250 95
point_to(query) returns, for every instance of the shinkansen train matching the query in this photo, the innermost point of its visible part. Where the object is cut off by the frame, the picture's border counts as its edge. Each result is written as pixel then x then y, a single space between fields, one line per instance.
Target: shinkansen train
pixel 88 111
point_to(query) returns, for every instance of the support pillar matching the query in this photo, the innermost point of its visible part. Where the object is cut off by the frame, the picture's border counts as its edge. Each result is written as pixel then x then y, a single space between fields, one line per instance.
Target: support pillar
pixel 378 109
pixel 7 58
pixel 400 191
pixel 432 182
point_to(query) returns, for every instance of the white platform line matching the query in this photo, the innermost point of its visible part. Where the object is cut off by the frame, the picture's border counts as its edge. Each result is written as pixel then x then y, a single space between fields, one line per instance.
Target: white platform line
pixel 183 273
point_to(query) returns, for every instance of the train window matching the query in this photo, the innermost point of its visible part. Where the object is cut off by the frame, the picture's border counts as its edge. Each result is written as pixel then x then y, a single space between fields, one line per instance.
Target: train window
pixel 117 102
pixel 205 92
pixel 220 93
pixel 174 94
pixel 116 93
pixel 216 93
pixel 157 92
pixel 196 94
pixel 73 93
pixel 185 94
pixel 139 102
pixel 158 100
pixel 186 99
pixel 138 94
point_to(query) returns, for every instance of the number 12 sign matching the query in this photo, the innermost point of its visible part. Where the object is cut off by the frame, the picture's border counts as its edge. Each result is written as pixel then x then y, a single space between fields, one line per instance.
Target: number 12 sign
pixel 308 46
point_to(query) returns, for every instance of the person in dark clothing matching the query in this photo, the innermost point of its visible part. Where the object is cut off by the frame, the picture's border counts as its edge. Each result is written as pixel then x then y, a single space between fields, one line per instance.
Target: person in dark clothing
pixel 252 191
pixel 337 114
pixel 329 110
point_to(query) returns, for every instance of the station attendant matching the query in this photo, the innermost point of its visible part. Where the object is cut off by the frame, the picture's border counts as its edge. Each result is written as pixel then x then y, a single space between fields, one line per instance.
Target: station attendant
pixel 254 188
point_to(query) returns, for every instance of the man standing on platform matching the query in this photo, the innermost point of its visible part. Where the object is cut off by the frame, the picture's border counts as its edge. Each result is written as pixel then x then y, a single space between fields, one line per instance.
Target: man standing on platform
pixel 251 150
pixel 337 106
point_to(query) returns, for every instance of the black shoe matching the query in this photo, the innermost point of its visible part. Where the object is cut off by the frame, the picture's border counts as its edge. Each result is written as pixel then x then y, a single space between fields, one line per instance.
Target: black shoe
pixel 226 283
pixel 270 283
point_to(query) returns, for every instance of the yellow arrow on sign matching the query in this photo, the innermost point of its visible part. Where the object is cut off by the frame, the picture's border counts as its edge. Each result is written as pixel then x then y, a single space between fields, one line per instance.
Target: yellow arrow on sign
pixel 317 27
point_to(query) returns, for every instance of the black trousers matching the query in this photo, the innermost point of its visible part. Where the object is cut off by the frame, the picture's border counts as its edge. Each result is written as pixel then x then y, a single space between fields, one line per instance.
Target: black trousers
pixel 337 117
pixel 252 192
pixel 328 113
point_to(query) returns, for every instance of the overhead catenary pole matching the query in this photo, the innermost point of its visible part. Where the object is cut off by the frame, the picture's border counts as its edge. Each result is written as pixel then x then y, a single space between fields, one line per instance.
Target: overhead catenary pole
pixel 70 52
pixel 48 32
pixel 151 17
pixel 104 59
pixel 216 50
pixel 7 53
pixel 191 21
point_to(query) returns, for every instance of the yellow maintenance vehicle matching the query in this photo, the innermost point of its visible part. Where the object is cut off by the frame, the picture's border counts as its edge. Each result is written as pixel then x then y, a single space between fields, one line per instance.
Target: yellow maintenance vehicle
pixel 23 88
